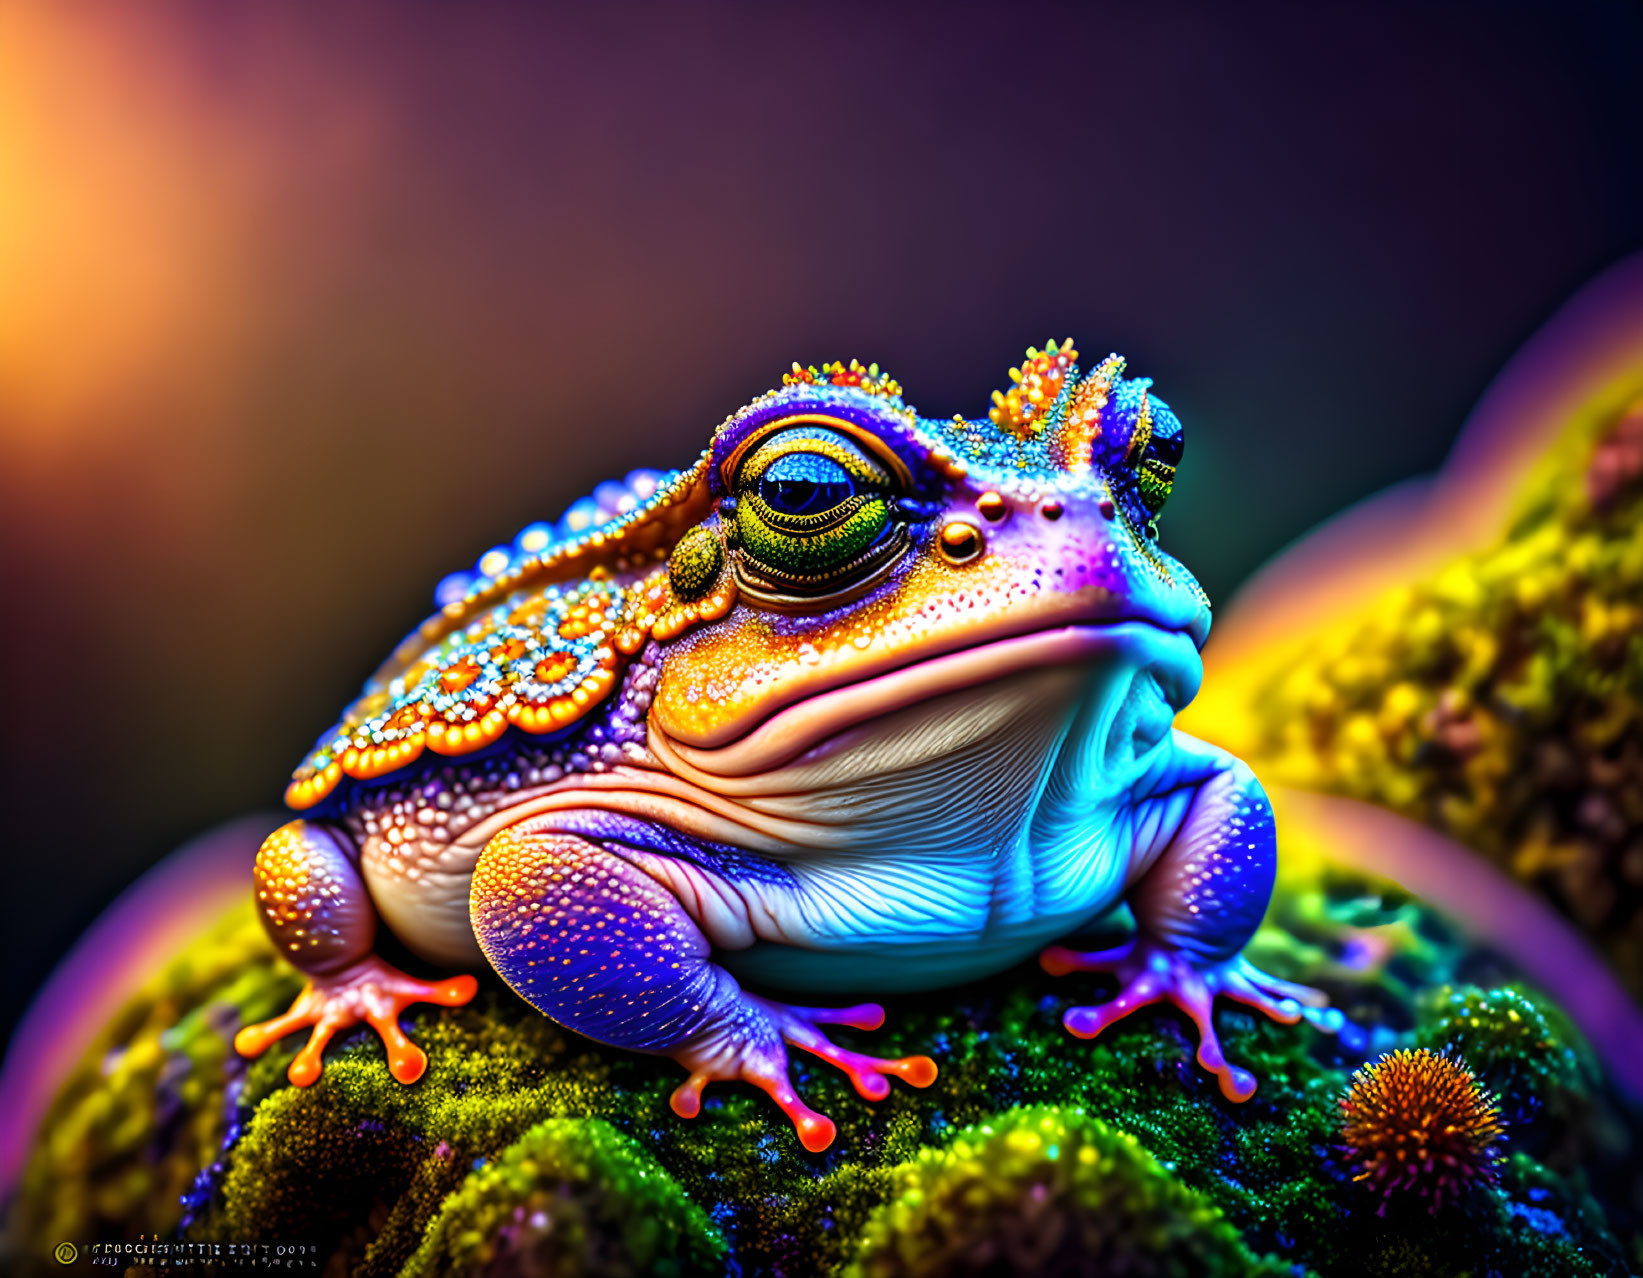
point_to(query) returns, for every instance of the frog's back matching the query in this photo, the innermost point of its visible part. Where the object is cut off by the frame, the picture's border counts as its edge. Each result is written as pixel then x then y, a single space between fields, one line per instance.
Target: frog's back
pixel 509 685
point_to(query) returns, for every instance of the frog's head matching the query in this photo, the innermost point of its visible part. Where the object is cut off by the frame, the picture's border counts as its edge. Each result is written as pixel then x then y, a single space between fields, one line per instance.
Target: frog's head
pixel 837 582
pixel 860 559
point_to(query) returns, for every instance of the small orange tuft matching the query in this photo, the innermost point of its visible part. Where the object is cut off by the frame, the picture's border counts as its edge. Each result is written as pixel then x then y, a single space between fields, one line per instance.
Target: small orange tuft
pixel 1024 408
pixel 868 378
pixel 1417 1121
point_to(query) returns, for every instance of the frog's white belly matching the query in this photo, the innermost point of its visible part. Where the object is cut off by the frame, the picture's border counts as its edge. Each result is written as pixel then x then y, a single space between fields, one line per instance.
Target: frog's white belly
pixel 961 861
pixel 899 966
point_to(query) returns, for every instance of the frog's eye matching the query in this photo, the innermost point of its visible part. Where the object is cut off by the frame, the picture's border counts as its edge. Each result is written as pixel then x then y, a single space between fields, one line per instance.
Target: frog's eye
pixel 812 514
pixel 1155 475
pixel 1154 452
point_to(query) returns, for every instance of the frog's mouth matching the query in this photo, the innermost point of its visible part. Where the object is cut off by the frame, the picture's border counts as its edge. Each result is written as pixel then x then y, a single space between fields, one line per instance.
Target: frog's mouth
pixel 829 722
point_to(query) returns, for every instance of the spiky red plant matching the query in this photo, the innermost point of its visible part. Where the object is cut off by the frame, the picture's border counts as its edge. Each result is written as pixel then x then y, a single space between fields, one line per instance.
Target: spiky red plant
pixel 1417 1122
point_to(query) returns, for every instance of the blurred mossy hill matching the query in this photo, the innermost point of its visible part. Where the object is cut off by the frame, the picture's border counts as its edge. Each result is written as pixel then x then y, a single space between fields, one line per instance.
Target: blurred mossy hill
pixel 529 1150
pixel 1500 699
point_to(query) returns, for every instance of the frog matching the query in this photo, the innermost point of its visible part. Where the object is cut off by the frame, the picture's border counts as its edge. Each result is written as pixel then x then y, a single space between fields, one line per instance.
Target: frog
pixel 859 702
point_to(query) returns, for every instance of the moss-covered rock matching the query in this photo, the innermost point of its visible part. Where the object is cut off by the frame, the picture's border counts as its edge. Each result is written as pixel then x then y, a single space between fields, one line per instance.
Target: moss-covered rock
pixel 571 1198
pixel 1520 1046
pixel 1500 699
pixel 155 1095
pixel 514 1113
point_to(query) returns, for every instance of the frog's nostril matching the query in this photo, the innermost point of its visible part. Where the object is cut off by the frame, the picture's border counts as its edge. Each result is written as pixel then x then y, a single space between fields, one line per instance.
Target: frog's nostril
pixel 992 507
pixel 1051 510
pixel 1107 509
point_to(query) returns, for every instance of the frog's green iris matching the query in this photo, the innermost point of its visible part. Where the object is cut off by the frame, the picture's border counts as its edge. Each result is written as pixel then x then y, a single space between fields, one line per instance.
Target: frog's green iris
pixel 811 508
pixel 1154 479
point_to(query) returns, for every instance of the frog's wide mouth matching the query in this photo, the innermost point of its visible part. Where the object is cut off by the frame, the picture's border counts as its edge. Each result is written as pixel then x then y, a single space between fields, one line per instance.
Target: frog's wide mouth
pixel 816 723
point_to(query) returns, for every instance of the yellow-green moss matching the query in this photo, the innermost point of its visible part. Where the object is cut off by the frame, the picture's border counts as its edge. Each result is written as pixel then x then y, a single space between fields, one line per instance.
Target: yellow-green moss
pixel 571 1198
pixel 1047 1190
pixel 362 1167
pixel 1500 699
pixel 146 1108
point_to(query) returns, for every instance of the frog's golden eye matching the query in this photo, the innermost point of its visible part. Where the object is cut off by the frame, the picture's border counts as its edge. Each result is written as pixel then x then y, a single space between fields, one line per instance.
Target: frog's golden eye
pixel 812 514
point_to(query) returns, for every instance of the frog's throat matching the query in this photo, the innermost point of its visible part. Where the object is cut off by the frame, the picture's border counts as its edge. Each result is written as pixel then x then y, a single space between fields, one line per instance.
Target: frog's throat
pixel 762 761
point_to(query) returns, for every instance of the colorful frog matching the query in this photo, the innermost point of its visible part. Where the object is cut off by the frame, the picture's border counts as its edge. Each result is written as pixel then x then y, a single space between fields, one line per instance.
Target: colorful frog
pixel 860 701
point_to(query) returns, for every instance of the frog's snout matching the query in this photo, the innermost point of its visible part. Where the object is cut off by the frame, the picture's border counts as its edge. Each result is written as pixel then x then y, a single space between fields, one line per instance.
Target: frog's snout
pixel 1081 539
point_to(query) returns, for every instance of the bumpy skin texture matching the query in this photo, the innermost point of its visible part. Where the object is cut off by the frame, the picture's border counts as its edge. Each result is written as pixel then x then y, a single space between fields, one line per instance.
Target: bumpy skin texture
pixel 861 700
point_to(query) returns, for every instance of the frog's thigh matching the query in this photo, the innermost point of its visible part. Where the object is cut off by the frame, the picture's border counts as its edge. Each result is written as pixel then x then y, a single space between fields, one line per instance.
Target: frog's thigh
pixel 595 943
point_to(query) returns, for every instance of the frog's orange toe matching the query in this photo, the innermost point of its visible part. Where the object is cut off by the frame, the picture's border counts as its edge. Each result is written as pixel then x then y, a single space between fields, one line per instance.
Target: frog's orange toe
pixel 755 1053
pixel 370 991
pixel 816 1131
pixel 869 1074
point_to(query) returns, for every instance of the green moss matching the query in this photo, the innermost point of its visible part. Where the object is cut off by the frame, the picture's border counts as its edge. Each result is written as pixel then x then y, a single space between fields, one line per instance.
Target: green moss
pixel 1048 1190
pixel 146 1108
pixel 1520 1047
pixel 570 1198
pixel 1555 1224
pixel 375 1173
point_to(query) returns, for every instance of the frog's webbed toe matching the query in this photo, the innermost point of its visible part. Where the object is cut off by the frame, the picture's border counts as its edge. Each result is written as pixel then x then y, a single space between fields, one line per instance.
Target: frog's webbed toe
pixel 1151 972
pixel 751 1048
pixel 370 991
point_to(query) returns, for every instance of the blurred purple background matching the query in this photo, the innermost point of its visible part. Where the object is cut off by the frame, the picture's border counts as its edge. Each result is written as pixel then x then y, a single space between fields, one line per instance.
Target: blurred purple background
pixel 301 309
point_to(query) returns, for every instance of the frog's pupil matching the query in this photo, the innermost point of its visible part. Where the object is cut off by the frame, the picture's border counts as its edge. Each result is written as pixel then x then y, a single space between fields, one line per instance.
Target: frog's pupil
pixel 805 484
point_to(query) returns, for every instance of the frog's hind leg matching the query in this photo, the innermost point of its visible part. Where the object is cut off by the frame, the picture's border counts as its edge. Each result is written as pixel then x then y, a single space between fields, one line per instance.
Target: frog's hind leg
pixel 605 949
pixel 317 912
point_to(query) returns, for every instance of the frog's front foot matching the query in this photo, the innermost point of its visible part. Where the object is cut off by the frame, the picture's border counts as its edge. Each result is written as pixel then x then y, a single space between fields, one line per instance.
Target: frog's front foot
pixel 1150 972
pixel 369 990
pixel 751 1047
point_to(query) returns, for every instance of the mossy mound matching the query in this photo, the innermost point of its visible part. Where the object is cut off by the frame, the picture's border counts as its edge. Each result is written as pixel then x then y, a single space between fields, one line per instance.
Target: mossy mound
pixel 148 1108
pixel 528 1149
pixel 1501 699
pixel 1521 1048
pixel 571 1198
pixel 1049 1191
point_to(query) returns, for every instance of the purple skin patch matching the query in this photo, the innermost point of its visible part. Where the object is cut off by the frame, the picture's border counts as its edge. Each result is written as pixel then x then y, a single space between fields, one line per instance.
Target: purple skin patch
pixel 603 948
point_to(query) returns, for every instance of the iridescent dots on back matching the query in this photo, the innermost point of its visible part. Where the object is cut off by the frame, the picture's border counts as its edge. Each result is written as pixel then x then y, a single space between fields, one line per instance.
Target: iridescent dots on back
pixel 610 506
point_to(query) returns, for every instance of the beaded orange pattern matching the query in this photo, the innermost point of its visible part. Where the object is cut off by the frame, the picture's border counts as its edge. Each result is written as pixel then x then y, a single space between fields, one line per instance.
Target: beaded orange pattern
pixel 538 664
pixel 1024 409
